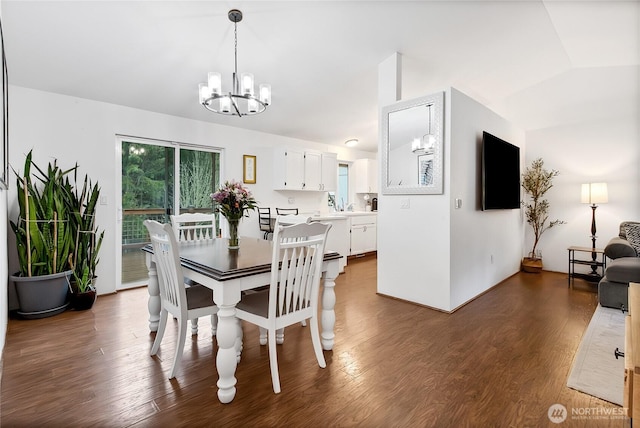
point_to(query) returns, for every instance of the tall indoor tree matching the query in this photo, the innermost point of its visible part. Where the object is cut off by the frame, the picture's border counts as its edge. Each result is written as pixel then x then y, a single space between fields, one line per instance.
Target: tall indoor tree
pixel 536 181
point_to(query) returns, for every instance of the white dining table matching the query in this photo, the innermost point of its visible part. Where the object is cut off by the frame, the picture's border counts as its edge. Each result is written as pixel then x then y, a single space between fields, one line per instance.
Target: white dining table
pixel 228 273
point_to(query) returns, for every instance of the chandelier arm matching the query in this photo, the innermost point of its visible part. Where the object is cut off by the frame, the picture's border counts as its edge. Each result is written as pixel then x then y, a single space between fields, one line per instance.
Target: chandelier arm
pixel 235 106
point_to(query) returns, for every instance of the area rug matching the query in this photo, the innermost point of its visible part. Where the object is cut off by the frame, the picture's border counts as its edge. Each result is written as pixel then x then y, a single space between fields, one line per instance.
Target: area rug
pixel 595 369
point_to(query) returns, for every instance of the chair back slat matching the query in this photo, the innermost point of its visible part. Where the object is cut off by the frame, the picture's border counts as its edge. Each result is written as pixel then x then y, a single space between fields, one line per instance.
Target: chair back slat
pixel 296 267
pixel 287 211
pixel 264 219
pixel 167 259
pixel 194 227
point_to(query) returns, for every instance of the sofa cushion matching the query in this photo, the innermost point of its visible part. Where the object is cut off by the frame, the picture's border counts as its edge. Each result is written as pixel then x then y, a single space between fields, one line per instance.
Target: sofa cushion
pixel 624 269
pixel 618 247
pixel 623 225
pixel 613 294
pixel 633 235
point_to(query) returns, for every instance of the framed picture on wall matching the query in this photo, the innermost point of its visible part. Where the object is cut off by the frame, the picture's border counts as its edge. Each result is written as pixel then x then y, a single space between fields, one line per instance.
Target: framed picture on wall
pixel 249 169
pixel 425 170
pixel 4 161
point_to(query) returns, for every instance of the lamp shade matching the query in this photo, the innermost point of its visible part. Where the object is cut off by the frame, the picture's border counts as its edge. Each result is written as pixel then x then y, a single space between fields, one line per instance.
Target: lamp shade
pixel 594 193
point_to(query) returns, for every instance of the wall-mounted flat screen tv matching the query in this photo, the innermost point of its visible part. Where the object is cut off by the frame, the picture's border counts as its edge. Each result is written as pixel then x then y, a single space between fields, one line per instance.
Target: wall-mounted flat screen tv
pixel 500 174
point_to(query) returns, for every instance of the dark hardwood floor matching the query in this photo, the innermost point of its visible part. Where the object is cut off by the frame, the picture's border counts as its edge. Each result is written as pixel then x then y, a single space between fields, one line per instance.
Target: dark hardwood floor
pixel 500 361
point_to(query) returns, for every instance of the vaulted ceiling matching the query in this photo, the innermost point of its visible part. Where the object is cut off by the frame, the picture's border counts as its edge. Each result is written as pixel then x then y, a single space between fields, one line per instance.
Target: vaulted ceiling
pixel 539 64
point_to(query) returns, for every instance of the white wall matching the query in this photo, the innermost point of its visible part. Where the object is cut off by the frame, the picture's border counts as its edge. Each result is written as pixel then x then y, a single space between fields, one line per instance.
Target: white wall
pixel 583 152
pixel 486 246
pixel 84 131
pixel 439 256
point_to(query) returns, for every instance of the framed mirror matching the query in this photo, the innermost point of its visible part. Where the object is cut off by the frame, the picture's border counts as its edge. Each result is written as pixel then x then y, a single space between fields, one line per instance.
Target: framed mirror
pixel 412 146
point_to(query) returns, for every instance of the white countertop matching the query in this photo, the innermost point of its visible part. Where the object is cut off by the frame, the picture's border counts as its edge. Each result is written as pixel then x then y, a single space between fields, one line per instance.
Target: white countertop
pixel 353 213
pixel 329 217
pixel 342 215
pixel 339 215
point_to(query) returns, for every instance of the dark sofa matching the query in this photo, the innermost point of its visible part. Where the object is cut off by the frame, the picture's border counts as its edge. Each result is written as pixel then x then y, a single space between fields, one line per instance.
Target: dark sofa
pixel 623 269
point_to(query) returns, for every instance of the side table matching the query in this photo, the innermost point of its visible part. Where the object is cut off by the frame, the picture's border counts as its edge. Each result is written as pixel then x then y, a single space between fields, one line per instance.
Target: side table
pixel 594 275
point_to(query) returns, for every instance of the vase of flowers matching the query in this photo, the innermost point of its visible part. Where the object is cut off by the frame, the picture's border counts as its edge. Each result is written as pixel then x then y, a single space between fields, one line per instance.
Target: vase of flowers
pixel 233 200
pixel 234 241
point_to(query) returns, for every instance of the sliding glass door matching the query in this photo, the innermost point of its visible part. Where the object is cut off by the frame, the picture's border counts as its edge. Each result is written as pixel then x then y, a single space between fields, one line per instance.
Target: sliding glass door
pixel 199 175
pixel 159 179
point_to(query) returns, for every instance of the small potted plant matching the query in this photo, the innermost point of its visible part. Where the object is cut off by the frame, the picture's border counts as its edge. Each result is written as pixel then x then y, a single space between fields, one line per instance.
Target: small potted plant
pixel 87 245
pixel 44 239
pixel 536 181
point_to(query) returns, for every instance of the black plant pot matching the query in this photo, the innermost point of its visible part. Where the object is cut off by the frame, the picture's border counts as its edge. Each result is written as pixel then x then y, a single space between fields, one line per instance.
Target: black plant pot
pixel 83 301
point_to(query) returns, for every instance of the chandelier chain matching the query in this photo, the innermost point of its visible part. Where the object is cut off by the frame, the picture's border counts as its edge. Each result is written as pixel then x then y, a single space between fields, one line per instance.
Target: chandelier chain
pixel 235 48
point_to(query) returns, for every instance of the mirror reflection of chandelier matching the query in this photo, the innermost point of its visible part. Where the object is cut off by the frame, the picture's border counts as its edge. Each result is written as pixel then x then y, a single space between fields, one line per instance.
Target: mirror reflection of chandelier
pixel 241 100
pixel 426 144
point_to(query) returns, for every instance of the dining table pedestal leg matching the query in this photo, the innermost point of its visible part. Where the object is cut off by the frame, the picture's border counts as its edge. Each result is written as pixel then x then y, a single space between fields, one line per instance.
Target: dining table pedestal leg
pixel 328 315
pixel 227 358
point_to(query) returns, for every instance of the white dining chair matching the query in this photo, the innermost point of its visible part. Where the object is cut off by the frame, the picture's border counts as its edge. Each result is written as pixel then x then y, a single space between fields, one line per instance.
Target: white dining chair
pixel 184 303
pixel 195 227
pixel 292 297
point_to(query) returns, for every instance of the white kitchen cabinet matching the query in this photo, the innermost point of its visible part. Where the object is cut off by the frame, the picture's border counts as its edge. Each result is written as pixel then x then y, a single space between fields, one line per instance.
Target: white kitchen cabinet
pixel 296 169
pixel 363 234
pixel 329 172
pixel 288 169
pixel 366 175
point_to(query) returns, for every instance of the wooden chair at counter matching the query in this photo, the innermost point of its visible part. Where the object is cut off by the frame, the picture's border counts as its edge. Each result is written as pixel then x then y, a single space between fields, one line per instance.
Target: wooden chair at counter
pixel 184 303
pixel 286 211
pixel 264 222
pixel 293 294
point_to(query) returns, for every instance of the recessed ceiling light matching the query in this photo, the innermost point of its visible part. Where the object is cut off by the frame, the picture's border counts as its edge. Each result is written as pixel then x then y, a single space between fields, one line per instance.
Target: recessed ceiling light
pixel 351 143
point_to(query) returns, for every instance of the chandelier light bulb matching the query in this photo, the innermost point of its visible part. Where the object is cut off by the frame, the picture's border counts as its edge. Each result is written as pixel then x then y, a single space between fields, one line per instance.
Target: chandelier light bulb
pixel 225 104
pixel 215 82
pixel 415 145
pixel 265 93
pixel 252 106
pixel 247 83
pixel 203 92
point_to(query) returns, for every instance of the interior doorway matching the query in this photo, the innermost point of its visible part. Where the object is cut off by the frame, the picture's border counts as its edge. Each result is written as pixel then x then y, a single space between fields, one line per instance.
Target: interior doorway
pixel 159 178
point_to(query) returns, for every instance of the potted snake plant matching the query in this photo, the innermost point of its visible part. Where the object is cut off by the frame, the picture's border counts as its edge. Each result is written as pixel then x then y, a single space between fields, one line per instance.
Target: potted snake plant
pixel 86 245
pixel 44 239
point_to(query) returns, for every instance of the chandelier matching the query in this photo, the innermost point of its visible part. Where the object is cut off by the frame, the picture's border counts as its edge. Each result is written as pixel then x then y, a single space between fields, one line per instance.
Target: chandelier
pixel 426 144
pixel 241 100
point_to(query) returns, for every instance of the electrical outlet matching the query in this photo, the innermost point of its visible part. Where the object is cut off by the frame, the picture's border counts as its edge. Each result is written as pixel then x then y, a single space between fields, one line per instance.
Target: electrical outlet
pixel 103 200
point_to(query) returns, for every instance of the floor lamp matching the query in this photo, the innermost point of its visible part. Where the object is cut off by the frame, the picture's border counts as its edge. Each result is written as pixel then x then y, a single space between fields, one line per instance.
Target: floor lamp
pixel 594 193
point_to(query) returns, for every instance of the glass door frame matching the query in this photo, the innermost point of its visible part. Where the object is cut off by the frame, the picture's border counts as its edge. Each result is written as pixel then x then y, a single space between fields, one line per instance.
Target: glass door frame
pixel 120 139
